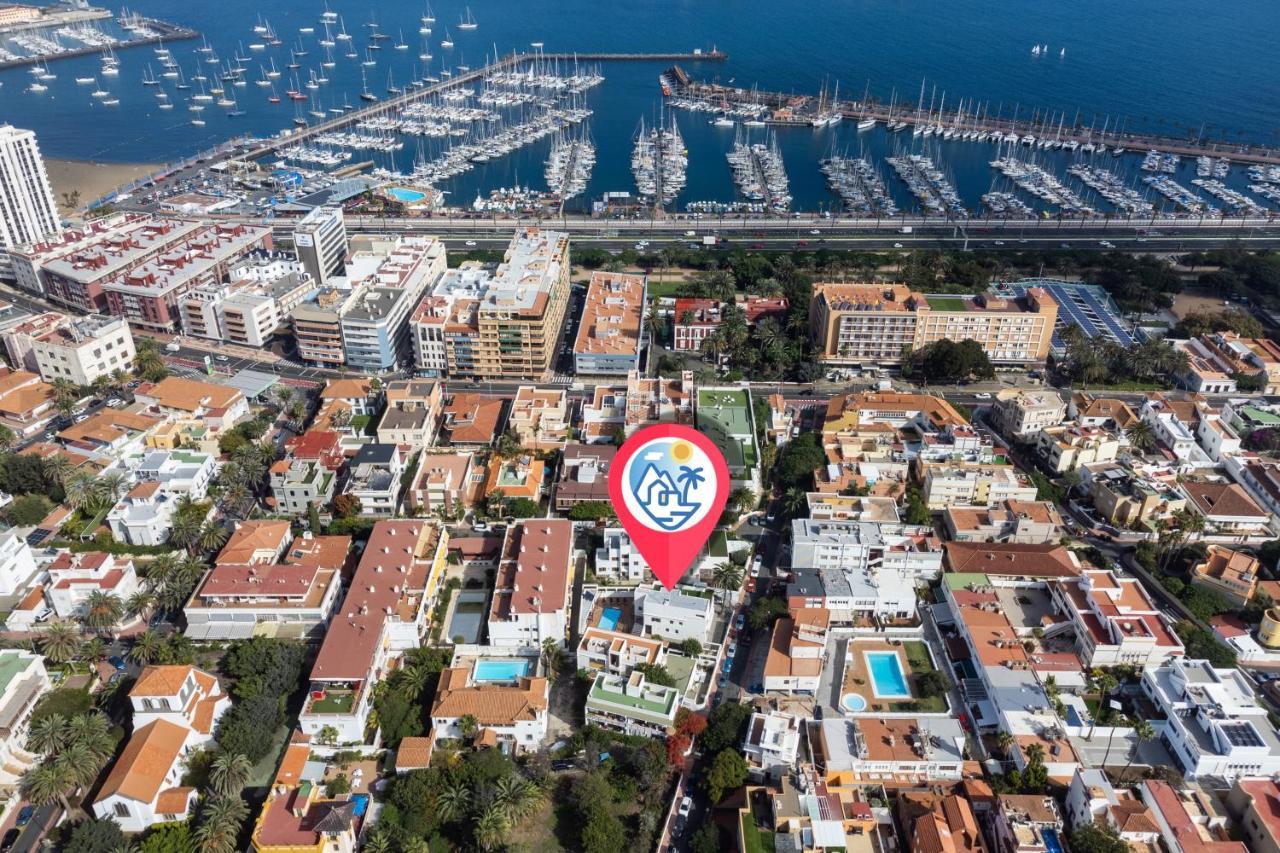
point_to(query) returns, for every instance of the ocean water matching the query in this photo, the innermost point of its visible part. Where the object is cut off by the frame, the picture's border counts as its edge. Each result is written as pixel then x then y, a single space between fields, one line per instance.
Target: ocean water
pixel 1176 67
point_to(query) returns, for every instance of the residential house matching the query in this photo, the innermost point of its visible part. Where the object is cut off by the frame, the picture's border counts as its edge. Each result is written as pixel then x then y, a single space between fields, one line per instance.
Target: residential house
pixel 771 744
pixel 412 414
pixel 539 417
pixel 1115 621
pixel 1030 522
pixel 618 560
pixel 1227 508
pixel 584 475
pixel 510 716
pixel 444 481
pixel 965 484
pixel 796 652
pixel 219 406
pixel 23 682
pixel 1256 802
pixel 72 578
pixel 632 705
pixel 1018 413
pixel 1027 823
pixel 673 615
pixel 1232 574
pixel 1188 821
pixel 471 420
pixel 1066 448
pixel 618 653
pixel 374 479
pixel 1091 800
pixel 298 818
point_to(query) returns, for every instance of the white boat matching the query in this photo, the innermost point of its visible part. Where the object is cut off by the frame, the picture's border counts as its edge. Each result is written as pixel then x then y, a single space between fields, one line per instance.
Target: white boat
pixel 342 35
pixel 447 43
pixel 402 44
pixel 103 93
pixel 429 17
pixel 37 88
pixel 86 81
pixel 111 102
pixel 468 21
pixel 198 122
pixel 866 124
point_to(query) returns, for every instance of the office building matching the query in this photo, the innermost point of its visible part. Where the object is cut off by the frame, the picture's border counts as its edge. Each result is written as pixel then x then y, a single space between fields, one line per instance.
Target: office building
pixel 320 240
pixel 388 278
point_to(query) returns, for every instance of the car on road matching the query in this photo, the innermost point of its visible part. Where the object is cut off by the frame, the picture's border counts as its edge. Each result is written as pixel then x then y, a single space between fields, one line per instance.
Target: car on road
pixel 686 806
pixel 223 358
pixel 117 662
pixel 1106 244
pixel 983 395
pixel 999 243
pixel 24 816
pixel 81 418
pixel 470 244
pixel 897 245
pixel 10 838
pixel 755 567
pixel 563 764
pixel 740 621
pixel 815 231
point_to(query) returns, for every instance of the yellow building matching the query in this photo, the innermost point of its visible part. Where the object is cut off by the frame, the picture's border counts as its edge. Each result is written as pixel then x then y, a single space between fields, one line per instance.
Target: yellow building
pixel 1269 630
pixel 876 324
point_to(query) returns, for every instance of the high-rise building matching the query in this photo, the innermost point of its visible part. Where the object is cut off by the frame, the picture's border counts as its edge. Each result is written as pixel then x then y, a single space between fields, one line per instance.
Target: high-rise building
pixel 28 212
pixel 320 240
pixel 498 322
pixel 877 323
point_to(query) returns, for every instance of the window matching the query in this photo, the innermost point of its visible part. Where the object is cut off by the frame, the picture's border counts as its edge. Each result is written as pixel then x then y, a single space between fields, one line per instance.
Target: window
pixel 122 809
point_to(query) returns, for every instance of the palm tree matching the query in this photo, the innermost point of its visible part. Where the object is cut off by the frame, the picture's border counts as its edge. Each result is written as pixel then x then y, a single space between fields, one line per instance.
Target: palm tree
pixel 213 536
pixel 726 576
pixel 377 842
pixel 56 467
pixel 93 649
pixel 61 641
pixel 468 725
pixel 185 530
pixel 158 570
pixel 229 773
pixel 220 825
pixel 1005 741
pixel 81 489
pixel 412 845
pixel 77 764
pixel 1144 732
pixel 103 611
pixel 48 735
pixel 112 484
pixel 453 802
pixel 1141 435
pixel 146 648
pixel 7 437
pixel 93 732
pixel 491 829
pixel 46 783
pixel 516 797
pixel 794 500
pixel 140 604
pixel 551 659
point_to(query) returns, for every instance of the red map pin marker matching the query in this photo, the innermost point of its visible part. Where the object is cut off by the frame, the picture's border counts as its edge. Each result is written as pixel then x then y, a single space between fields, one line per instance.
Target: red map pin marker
pixel 669 484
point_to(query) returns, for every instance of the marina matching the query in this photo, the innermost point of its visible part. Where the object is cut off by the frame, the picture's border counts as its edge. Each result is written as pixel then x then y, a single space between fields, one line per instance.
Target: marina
pixel 64 32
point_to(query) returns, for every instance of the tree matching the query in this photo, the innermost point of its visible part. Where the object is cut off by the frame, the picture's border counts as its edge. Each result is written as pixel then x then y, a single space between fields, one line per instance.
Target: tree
pixel 229 773
pixel 212 536
pixel 725 727
pixel 168 838
pixel 103 611
pixel 728 772
pixel 726 576
pixel 931 683
pixel 453 802
pixel 1091 837
pixel 1144 731
pixel 765 611
pixel 603 832
pixel 591 511
pixel 27 510
pixel 44 784
pixel 1141 436
pixel 1205 603
pixel 552 658
pixel 1005 741
pixel 468 726
pixel 60 641
pixel 798 460
pixel 946 360
pixel 691 647
pixel 48 734
pixel 915 510
pixel 794 501
pixel 705 840
pixel 95 836
pixel 219 825
pixel 523 508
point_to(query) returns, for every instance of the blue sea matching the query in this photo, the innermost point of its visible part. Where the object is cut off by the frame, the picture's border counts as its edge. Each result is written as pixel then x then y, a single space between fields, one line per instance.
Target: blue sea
pixel 1176 67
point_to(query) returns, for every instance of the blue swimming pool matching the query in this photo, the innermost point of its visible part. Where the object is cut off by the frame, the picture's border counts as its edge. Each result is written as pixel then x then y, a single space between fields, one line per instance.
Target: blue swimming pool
pixel 853 702
pixel 405 195
pixel 1051 842
pixel 887 678
pixel 609 618
pixel 359 804
pixel 500 669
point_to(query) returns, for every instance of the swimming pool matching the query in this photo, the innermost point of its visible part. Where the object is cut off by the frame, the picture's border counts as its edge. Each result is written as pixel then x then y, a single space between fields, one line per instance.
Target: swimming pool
pixel 887 678
pixel 609 618
pixel 853 702
pixel 359 804
pixel 406 195
pixel 503 669
pixel 1051 842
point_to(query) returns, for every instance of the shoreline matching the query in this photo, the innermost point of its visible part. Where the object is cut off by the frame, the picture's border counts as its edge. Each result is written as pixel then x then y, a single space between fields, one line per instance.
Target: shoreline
pixel 90 178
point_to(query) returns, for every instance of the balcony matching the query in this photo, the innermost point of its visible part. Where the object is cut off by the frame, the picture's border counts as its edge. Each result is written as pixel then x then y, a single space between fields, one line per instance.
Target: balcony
pixel 330 699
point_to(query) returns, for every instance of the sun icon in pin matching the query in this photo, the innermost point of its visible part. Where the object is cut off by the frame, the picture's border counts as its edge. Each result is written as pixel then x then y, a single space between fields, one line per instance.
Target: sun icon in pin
pixel 681 451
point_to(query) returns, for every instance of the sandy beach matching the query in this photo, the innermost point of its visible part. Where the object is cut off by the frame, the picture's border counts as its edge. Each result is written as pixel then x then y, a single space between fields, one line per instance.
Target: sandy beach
pixel 92 180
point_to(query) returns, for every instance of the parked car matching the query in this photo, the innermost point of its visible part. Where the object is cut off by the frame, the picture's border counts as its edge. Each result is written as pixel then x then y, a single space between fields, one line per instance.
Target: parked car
pixel 24 816
pixel 117 662
pixel 10 838
pixel 686 806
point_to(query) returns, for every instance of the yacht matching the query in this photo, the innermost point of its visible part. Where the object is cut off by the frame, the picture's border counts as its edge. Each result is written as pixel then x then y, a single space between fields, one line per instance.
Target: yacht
pixel 468 21
pixel 447 42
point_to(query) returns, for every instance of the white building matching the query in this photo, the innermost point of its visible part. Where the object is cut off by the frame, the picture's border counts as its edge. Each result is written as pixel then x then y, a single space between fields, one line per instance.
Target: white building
pixel 631 705
pixel 23 680
pixel 618 653
pixel 532 589
pixel 510 716
pixel 144 516
pixel 84 349
pixel 1114 620
pixel 28 211
pixel 249 308
pixel 963 484
pixel 618 558
pixel 771 744
pixel 673 615
pixel 1214 724
pixel 73 577
pixel 374 479
pixel 17 563
pixel 320 239
pixel 176 710
pixel 1021 413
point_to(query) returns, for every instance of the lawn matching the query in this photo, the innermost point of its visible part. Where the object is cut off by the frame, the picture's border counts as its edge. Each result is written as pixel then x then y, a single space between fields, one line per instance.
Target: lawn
pixel 334 702
pixel 918 656
pixel 946 303
pixel 755 839
pixel 265 770
pixel 661 289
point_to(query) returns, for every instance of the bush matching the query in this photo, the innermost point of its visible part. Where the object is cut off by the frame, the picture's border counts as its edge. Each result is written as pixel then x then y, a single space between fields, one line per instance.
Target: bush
pixel 27 510
pixel 67 701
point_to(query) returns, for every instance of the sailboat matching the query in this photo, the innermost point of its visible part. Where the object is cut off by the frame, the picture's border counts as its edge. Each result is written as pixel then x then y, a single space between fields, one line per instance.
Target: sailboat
pixel 293 61
pixel 425 53
pixel 447 43
pixel 327 41
pixel 342 35
pixel 149 77
pixel 262 80
pixel 274 72
pixel 273 98
pixel 429 17
pixel 392 88
pixel 369 61
pixel 235 107
pixel 365 94
pixel 468 21
pixel 402 44
pixel 182 83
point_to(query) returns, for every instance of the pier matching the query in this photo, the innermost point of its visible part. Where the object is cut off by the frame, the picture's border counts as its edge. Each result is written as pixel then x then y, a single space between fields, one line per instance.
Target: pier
pixel 292 137
pixel 164 31
pixel 799 110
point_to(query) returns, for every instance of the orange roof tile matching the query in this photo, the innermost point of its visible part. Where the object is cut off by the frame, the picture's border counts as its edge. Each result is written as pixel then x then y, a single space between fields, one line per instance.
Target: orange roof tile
pixel 141 768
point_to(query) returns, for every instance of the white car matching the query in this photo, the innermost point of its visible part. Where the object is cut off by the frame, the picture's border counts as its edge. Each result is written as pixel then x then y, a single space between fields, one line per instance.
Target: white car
pixel 686 806
pixel 222 358
pixel 815 231
pixel 470 244
pixel 897 245
pixel 983 395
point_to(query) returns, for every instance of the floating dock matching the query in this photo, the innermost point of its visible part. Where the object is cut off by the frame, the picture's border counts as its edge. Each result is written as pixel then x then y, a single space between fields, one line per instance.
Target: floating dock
pixel 160 31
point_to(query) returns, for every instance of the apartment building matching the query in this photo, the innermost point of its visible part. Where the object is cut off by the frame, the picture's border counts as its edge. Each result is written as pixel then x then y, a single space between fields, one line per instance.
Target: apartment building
pixel 794 660
pixel 1125 497
pixel 725 414
pixel 1066 448
pixel 618 653
pixel 623 409
pixel 962 484
pixel 19 338
pixel 373 478
pixel 530 602
pixel 320 240
pixel 1030 522
pixel 317 327
pixel 1215 725
pixel 28 212
pixel 539 417
pixel 693 321
pixel 23 682
pixel 896 752
pixel 383 614
pixel 412 413
pixel 771 744
pixel 877 324
pixel 388 278
pixel 673 615
pixel 1115 621
pixel 83 349
pixel 72 578
pixel 445 482
pixel 291 597
pixel 611 329
pixel 502 322
pixel 632 705
pixel 870 425
pixel 252 305
pixel 1018 413
pixel 308 473
pixel 618 559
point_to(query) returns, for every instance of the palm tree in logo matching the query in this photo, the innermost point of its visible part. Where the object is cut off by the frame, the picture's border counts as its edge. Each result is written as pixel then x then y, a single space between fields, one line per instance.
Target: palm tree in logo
pixel 689 477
